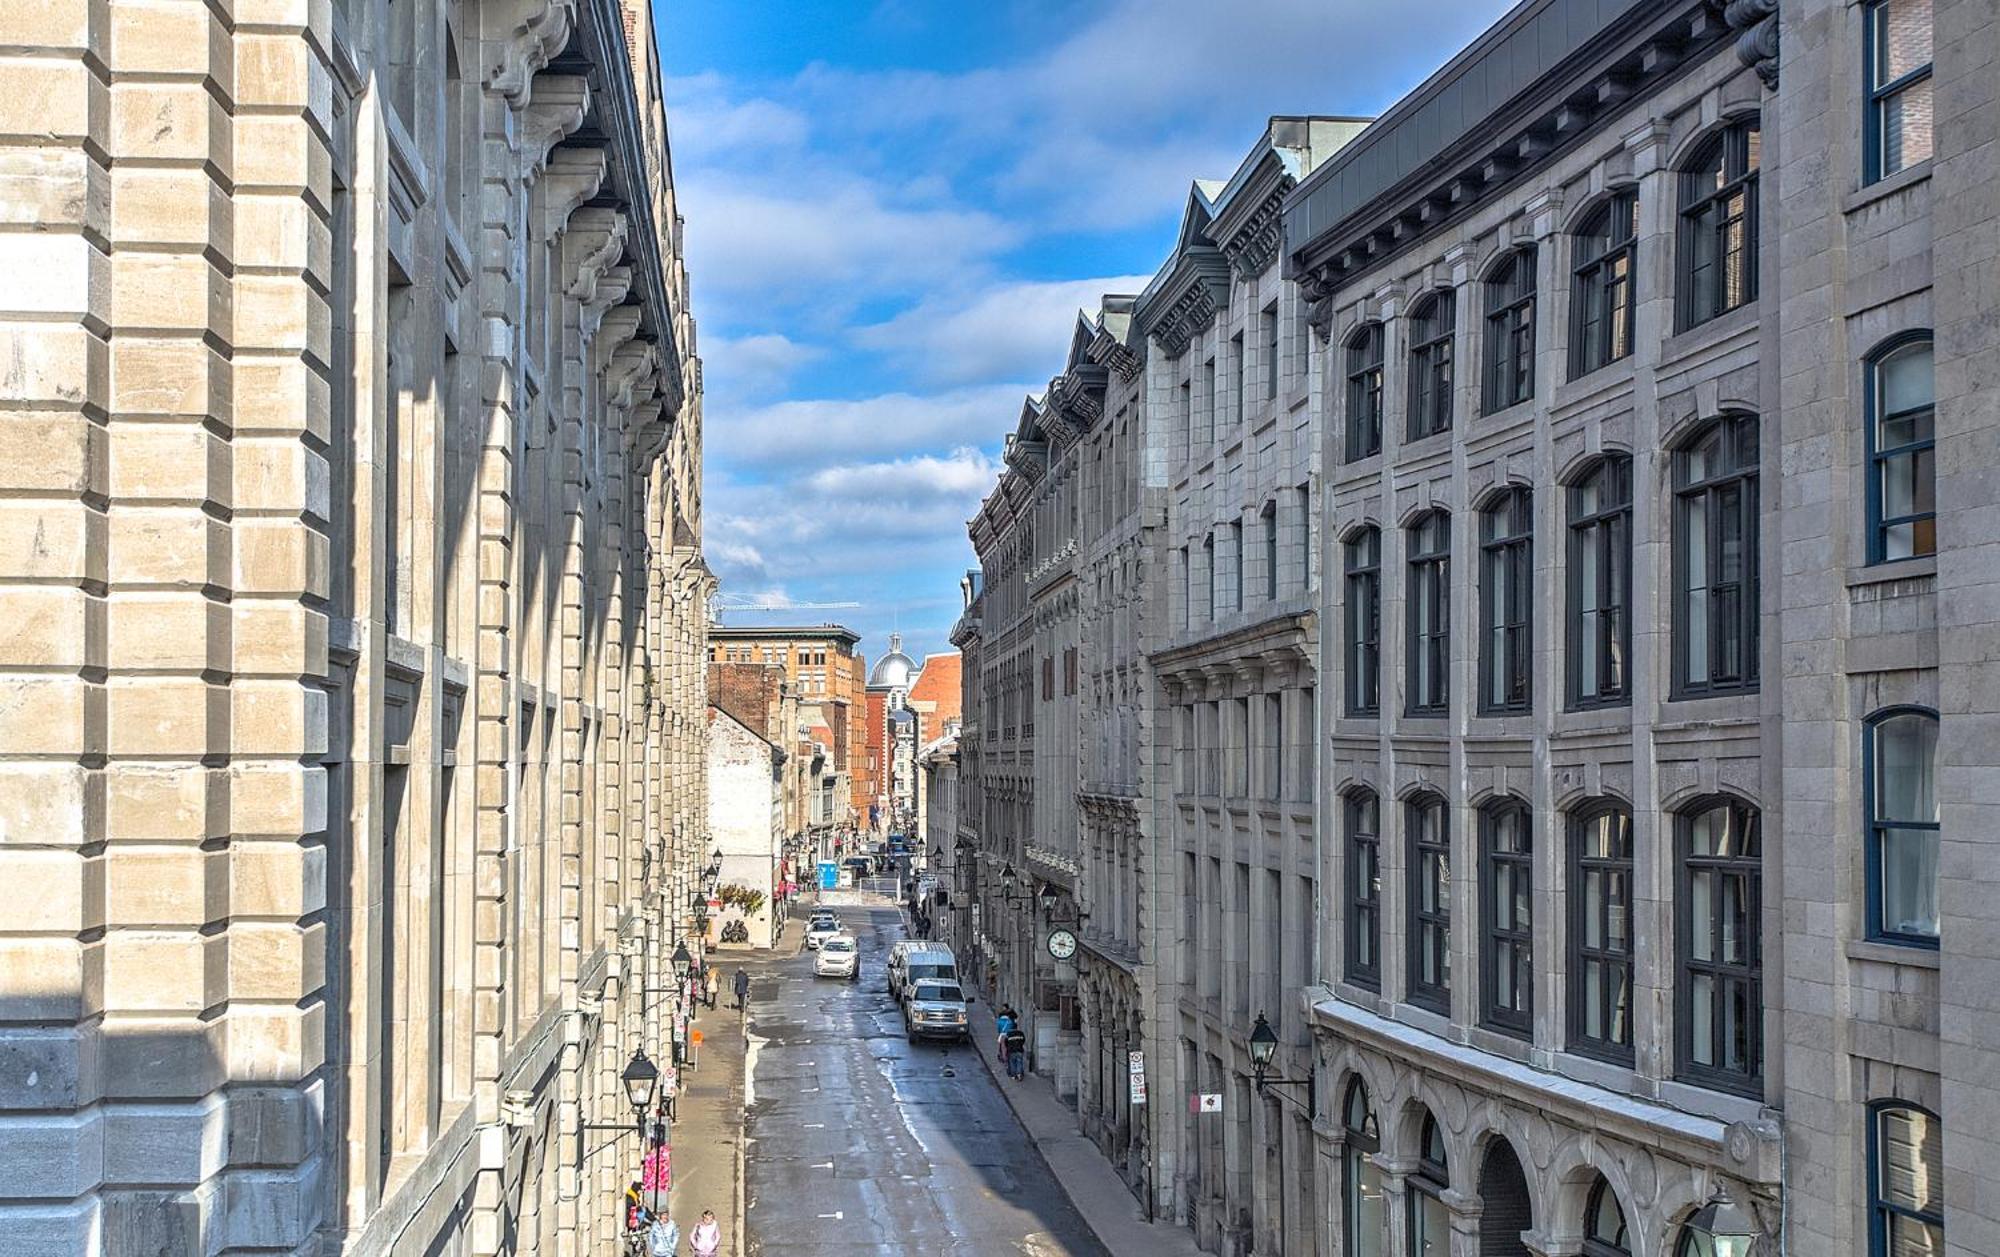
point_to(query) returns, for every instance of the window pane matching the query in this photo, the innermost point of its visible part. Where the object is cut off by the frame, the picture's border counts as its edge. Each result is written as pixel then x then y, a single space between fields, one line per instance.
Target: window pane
pixel 1906 384
pixel 1909 873
pixel 1906 127
pixel 1912 1237
pixel 1909 1157
pixel 1902 38
pixel 1430 1226
pixel 1366 1199
pixel 1905 768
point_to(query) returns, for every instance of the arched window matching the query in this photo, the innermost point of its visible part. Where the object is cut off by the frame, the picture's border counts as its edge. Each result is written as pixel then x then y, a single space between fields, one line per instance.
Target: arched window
pixel 1364 888
pixel 1600 583
pixel 1718 906
pixel 1601 291
pixel 1902 468
pixel 1362 1177
pixel 1510 331
pixel 1718 234
pixel 1432 322
pixel 1604 1231
pixel 1899 754
pixel 1715 560
pixel 1507 892
pixel 1905 1180
pixel 1430 1221
pixel 1600 931
pixel 1507 604
pixel 1427 665
pixel 1362 559
pixel 1364 392
pixel 1429 899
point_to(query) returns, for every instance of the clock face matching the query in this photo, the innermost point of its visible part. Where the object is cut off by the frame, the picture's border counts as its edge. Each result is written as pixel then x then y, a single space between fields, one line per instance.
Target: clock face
pixel 1062 944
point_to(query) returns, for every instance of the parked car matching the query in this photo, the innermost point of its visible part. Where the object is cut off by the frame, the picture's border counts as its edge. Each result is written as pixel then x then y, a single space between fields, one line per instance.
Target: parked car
pixel 926 962
pixel 839 957
pixel 820 929
pixel 935 1010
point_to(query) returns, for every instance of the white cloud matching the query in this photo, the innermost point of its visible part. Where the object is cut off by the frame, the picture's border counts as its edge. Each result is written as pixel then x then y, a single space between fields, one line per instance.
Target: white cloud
pixel 961 472
pixel 1006 331
pixel 752 366
pixel 807 432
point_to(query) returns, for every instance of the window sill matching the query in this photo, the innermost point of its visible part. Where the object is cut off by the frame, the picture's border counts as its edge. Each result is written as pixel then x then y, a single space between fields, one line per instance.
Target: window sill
pixel 1893 570
pixel 1886 187
pixel 1595 384
pixel 1707 335
pixel 1513 412
pixel 1913 955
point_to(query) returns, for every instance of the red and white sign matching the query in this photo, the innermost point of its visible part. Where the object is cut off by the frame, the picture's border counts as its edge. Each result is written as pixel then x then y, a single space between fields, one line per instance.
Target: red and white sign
pixel 1205 1102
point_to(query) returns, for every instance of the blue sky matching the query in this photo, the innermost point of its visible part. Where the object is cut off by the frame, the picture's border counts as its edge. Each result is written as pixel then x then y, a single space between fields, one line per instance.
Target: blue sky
pixel 894 210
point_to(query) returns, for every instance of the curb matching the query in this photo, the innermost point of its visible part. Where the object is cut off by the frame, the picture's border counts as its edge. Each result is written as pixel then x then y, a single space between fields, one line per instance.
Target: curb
pixel 740 1220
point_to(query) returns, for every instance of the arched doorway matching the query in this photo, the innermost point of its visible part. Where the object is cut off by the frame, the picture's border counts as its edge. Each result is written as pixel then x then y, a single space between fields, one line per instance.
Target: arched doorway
pixel 1504 1209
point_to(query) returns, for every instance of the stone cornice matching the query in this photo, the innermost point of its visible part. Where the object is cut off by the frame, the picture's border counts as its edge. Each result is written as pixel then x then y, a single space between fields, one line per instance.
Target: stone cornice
pixel 1254 246
pixel 531 33
pixel 1198 289
pixel 1756 25
pixel 1107 350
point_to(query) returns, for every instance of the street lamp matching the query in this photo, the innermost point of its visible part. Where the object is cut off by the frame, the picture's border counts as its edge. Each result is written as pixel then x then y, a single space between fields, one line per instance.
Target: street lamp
pixel 1264 1047
pixel 1728 1227
pixel 641 1078
pixel 683 962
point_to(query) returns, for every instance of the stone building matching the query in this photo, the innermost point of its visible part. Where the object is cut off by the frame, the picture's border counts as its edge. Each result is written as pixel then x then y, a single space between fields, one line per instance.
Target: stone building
pixel 960 865
pixel 351 693
pixel 936 699
pixel 747 806
pixel 1232 649
pixel 825 669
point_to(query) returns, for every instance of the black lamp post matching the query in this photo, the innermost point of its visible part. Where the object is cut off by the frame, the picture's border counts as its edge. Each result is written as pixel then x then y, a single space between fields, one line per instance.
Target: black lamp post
pixel 1263 1048
pixel 1729 1228
pixel 683 962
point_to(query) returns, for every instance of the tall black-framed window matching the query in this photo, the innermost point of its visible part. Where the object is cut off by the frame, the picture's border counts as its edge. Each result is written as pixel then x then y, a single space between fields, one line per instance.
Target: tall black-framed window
pixel 1507 916
pixel 1364 888
pixel 1604 1231
pixel 1269 517
pixel 1427 665
pixel 1430 1220
pixel 1362 1178
pixel 1429 900
pixel 1364 392
pixel 1718 909
pixel 1600 931
pixel 1601 291
pixel 1905 1180
pixel 1432 323
pixel 1718 227
pixel 1362 621
pixel 1507 603
pixel 1902 468
pixel 1510 331
pixel 1898 69
pixel 1600 584
pixel 1899 776
pixel 1715 560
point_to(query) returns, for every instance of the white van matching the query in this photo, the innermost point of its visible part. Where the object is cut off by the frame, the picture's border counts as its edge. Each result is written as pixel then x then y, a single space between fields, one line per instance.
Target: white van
pixel 924 962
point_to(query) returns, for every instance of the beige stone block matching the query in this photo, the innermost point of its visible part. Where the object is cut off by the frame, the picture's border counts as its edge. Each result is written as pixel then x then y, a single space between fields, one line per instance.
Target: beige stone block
pixel 276 880
pixel 168 292
pixel 279 557
pixel 46 892
pixel 155 971
pixel 151 37
pixel 169 716
pixel 49 715
pixel 53 451
pixel 282 395
pixel 281 153
pixel 180 375
pixel 277 718
pixel 162 803
pixel 164 462
pixel 277 637
pixel 159 885
pixel 275 961
pixel 44 979
pixel 53 24
pixel 51 188
pixel 45 804
pixel 183 632
pixel 173 205
pixel 274 231
pixel 282 312
pixel 52 99
pixel 169 121
pixel 275 1044
pixel 277 799
pixel 166 546
pixel 54 274
pixel 51 626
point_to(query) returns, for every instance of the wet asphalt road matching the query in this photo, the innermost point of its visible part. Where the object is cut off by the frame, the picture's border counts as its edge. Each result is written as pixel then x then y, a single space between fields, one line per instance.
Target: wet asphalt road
pixel 860 1142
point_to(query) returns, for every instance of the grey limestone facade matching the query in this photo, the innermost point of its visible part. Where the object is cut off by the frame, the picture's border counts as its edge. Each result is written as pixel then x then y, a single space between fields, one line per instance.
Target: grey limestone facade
pixel 351 673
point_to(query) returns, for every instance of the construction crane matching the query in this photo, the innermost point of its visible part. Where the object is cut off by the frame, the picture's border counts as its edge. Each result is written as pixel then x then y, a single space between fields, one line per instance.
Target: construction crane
pixel 722 603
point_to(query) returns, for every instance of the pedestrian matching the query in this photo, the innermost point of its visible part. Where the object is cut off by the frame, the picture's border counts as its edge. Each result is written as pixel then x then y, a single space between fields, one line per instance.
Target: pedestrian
pixel 706 1239
pixel 1017 1053
pixel 663 1238
pixel 714 984
pixel 741 987
pixel 1002 1024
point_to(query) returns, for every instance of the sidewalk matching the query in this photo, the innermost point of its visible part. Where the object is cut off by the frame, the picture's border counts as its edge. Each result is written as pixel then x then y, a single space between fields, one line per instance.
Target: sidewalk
pixel 1099 1194
pixel 708 1136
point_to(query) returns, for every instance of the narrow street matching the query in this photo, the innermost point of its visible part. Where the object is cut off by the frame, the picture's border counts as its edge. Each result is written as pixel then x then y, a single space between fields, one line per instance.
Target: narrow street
pixel 859 1141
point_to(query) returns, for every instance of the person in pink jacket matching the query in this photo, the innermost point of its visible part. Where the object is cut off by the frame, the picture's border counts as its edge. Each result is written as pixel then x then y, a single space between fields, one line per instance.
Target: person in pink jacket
pixel 706 1240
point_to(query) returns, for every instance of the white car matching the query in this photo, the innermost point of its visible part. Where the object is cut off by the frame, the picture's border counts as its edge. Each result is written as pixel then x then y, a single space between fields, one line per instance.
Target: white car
pixel 839 957
pixel 820 929
pixel 935 1010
